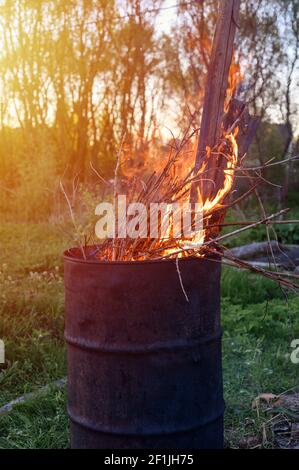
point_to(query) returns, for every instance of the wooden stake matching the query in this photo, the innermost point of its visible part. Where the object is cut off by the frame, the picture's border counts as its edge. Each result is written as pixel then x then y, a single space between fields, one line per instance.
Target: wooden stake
pixel 217 82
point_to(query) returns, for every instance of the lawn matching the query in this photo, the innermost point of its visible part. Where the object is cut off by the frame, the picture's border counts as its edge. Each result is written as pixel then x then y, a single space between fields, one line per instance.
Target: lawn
pixel 259 322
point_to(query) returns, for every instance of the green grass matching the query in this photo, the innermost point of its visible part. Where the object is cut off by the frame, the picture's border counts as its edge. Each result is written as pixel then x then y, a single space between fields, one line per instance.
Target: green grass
pixel 258 323
pixel 31 307
pixel 256 359
pixel 38 424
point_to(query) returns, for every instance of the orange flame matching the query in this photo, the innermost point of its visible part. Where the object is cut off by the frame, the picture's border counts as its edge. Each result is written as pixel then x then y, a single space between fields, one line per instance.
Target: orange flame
pixel 235 77
pixel 210 205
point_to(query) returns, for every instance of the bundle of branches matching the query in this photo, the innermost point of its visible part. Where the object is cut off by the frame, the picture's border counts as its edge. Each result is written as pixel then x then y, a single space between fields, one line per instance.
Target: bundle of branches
pixel 170 187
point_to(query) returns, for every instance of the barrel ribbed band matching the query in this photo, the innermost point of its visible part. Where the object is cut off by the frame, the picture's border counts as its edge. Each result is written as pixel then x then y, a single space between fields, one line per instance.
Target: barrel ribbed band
pixel 156 347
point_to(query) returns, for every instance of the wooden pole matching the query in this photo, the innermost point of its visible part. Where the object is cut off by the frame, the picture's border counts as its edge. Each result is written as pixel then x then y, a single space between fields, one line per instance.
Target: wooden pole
pixel 216 86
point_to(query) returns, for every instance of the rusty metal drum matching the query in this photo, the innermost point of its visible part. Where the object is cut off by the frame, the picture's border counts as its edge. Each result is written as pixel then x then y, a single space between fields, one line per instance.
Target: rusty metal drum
pixel 144 362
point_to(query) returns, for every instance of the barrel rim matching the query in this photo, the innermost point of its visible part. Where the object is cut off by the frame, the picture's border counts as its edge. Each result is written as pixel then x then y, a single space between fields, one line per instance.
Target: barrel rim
pixel 84 423
pixel 68 256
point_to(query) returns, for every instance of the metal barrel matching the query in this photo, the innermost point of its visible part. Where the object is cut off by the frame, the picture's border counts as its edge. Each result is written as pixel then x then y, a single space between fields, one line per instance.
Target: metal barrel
pixel 144 363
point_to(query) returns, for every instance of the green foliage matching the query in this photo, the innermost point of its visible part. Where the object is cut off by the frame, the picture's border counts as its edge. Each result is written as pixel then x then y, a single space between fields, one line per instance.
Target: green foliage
pixel 269 143
pixel 242 288
pixel 293 198
pixel 288 234
pixel 284 233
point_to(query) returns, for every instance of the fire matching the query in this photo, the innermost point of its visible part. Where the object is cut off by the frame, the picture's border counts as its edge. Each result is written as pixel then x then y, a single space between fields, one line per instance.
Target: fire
pixel 232 161
pixel 172 182
pixel 234 79
pixel 211 204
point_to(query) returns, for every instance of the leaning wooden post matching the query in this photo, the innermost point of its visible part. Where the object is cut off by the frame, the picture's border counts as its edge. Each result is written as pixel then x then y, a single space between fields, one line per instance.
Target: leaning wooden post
pixel 216 86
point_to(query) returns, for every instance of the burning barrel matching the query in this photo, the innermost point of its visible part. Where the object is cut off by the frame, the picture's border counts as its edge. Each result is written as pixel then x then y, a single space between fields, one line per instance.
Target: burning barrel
pixel 144 363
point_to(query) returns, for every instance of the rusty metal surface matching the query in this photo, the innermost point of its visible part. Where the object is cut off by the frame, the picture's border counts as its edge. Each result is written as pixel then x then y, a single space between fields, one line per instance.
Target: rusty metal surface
pixel 144 365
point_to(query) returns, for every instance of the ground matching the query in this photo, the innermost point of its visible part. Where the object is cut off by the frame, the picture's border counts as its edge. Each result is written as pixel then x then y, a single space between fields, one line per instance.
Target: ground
pixel 259 322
